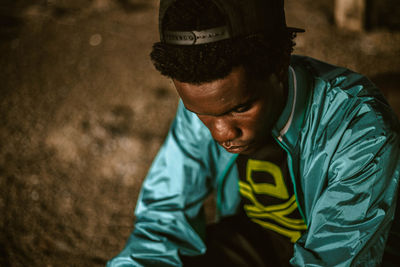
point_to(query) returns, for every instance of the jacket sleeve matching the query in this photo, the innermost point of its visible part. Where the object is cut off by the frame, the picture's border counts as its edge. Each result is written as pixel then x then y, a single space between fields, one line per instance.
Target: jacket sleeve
pixel 350 220
pixel 169 218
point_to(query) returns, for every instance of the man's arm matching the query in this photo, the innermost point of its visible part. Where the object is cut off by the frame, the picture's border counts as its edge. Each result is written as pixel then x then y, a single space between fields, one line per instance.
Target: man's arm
pixel 169 211
pixel 350 220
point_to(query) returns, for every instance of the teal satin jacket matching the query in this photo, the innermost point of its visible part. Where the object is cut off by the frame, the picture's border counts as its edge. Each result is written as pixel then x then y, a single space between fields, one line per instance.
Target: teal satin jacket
pixel 343 148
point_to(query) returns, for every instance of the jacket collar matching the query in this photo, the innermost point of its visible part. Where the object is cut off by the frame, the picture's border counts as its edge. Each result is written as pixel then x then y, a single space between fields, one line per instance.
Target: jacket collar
pixel 289 124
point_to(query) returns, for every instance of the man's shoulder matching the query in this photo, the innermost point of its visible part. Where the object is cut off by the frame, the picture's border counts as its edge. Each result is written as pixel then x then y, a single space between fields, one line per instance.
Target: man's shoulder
pixel 340 78
pixel 343 94
pixel 323 70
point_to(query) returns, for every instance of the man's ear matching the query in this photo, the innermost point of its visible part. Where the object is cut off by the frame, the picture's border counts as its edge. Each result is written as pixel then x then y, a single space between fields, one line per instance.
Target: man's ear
pixel 283 69
pixel 282 74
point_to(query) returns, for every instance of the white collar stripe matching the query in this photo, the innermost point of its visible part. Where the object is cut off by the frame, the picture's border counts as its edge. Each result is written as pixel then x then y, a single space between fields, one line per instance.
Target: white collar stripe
pixel 289 122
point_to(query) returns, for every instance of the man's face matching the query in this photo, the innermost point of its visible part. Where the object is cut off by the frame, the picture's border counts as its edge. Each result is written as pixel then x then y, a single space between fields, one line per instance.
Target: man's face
pixel 239 112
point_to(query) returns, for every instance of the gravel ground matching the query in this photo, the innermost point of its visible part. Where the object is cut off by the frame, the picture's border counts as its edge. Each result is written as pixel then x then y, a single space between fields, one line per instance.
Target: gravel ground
pixel 83 112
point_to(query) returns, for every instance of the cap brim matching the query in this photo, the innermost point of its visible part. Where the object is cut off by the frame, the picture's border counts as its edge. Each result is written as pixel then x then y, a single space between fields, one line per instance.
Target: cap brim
pixel 291 29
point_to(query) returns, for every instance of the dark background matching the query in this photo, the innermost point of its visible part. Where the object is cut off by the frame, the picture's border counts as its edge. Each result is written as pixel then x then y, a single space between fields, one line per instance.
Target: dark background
pixel 83 112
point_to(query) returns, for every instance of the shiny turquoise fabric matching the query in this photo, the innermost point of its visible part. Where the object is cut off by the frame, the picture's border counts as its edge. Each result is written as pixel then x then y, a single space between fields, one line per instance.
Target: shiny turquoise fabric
pixel 343 150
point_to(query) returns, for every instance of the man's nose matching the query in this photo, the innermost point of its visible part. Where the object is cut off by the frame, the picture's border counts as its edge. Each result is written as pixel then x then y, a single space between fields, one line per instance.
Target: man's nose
pixel 224 130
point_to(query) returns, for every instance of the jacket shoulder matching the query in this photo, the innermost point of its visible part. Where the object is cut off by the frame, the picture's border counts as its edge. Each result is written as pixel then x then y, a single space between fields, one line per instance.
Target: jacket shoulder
pixel 320 69
pixel 336 76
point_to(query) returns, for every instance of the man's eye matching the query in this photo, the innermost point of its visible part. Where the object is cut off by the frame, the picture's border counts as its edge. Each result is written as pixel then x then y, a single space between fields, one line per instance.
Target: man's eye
pixel 242 109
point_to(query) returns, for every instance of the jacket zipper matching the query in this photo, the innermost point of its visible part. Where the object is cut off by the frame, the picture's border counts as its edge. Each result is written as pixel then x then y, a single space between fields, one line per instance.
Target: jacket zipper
pixel 290 165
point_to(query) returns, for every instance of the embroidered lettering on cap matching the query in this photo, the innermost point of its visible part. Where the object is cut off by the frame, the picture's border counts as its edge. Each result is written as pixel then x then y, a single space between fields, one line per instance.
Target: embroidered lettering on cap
pixel 196 37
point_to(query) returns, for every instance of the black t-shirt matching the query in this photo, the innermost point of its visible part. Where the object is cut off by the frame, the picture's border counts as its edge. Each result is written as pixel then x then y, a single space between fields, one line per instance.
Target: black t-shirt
pixel 268 199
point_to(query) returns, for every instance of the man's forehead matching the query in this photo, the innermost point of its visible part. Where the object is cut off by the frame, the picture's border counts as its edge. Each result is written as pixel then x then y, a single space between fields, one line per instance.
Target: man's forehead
pixel 234 82
pixel 217 97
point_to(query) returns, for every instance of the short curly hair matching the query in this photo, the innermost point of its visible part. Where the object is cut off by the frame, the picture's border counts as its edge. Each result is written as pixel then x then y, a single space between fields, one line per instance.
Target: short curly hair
pixel 259 54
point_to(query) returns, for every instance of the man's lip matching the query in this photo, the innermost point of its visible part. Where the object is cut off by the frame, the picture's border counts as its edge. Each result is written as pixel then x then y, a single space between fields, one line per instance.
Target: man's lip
pixel 236 149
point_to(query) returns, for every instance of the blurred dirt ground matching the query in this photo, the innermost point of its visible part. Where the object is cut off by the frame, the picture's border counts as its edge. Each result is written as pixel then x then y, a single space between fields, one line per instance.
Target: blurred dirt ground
pixel 83 112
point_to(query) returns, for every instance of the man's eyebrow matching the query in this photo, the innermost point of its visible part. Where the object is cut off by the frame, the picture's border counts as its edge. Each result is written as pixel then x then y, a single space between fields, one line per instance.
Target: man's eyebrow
pixel 206 114
pixel 247 102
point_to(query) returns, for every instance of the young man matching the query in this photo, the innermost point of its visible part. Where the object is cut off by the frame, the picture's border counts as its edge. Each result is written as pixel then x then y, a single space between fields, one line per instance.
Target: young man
pixel 304 156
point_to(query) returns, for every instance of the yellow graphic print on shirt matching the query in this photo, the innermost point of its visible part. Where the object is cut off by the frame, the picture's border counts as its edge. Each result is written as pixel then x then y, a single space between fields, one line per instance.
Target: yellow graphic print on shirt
pixel 274 217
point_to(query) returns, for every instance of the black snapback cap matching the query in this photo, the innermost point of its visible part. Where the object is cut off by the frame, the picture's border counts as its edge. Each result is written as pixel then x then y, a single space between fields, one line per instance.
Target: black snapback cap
pixel 243 18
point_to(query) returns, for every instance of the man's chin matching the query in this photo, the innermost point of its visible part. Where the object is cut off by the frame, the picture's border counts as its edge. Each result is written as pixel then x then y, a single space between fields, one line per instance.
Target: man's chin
pixel 251 150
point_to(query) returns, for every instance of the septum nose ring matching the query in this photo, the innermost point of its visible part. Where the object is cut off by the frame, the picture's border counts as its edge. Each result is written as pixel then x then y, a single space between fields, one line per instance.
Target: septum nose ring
pixel 227 144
